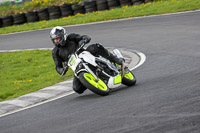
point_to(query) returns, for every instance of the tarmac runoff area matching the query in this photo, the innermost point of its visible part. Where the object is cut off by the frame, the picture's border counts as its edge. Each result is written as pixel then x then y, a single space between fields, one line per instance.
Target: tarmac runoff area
pixel 133 59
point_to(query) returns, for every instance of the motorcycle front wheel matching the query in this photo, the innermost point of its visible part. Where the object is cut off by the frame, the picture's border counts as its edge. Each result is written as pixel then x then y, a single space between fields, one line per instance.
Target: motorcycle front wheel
pixel 129 79
pixel 98 87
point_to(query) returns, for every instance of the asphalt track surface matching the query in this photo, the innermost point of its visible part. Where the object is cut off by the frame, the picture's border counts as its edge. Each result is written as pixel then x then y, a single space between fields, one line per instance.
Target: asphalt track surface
pixel 165 99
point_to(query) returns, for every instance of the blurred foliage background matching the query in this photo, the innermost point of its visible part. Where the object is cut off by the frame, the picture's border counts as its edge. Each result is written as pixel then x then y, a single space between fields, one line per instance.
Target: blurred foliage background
pixel 32 5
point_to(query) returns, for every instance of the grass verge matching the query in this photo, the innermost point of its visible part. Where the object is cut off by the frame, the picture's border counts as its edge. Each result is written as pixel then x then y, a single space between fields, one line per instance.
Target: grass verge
pixel 23 72
pixel 159 7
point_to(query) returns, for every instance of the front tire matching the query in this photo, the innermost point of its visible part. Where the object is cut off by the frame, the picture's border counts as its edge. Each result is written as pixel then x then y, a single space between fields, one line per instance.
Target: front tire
pixel 129 79
pixel 98 87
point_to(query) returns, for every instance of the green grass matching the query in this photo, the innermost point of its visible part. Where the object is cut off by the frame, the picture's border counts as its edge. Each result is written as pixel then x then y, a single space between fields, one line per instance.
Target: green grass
pixel 27 71
pixel 160 7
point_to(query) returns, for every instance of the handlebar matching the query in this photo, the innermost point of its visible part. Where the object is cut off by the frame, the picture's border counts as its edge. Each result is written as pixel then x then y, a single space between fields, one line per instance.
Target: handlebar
pixel 81 44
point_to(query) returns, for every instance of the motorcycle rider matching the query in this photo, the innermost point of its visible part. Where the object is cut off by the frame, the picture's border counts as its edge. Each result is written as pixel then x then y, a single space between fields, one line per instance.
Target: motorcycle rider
pixel 66 44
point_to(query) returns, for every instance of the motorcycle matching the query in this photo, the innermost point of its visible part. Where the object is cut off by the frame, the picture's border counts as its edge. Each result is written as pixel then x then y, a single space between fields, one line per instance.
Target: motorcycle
pixel 98 74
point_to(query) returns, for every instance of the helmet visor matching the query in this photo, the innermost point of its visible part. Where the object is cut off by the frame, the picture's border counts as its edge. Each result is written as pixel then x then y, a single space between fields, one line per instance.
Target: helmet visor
pixel 57 40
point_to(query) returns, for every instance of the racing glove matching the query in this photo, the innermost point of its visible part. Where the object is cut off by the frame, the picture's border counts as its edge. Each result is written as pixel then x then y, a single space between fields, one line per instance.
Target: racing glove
pixel 86 38
pixel 63 70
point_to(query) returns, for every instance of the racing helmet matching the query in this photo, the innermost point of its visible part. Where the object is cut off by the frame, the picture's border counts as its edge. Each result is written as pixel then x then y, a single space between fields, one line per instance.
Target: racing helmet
pixel 58 35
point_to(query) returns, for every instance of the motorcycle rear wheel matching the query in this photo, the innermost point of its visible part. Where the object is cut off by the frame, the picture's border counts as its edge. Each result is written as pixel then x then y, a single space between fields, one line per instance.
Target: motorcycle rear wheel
pixel 129 79
pixel 98 87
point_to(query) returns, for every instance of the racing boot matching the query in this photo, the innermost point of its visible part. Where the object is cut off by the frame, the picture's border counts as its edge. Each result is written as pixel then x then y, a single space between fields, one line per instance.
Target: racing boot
pixel 115 59
pixel 107 54
pixel 126 70
pixel 120 62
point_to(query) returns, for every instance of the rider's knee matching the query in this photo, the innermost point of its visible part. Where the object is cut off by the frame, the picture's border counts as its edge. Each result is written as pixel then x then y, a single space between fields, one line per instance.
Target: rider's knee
pixel 79 90
pixel 77 86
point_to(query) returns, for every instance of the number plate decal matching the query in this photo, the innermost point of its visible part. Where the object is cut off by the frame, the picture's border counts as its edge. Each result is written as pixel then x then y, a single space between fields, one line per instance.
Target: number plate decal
pixel 72 60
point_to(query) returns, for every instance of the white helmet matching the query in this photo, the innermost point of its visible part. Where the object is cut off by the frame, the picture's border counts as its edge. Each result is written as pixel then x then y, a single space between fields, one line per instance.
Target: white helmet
pixel 58 35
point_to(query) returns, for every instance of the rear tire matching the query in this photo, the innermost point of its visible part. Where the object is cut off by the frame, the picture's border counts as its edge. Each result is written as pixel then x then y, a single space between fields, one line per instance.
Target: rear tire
pixel 98 87
pixel 129 79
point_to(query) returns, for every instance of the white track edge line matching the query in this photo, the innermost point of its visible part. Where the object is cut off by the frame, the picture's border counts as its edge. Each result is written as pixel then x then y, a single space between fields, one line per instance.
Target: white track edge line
pixel 142 59
pixel 37 104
